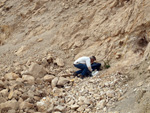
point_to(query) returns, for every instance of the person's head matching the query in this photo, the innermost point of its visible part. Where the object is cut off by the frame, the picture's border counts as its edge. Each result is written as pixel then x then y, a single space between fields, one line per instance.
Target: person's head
pixel 93 58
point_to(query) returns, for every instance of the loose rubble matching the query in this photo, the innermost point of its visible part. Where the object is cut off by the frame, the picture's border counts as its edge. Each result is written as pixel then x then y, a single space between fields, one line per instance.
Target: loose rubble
pixel 37 90
pixel 40 39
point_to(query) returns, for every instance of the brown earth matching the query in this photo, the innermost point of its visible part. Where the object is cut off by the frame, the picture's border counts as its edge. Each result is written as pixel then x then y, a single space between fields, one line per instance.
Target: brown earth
pixel 44 37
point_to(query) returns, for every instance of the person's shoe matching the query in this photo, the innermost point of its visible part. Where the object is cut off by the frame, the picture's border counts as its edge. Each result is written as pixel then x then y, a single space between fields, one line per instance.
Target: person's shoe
pixel 75 74
pixel 82 77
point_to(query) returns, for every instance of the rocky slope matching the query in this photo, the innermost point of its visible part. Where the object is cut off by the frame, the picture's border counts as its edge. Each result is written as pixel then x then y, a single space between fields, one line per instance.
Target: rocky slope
pixel 40 39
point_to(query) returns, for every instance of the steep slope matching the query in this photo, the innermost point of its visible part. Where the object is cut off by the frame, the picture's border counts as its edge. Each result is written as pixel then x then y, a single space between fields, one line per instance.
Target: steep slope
pixel 117 31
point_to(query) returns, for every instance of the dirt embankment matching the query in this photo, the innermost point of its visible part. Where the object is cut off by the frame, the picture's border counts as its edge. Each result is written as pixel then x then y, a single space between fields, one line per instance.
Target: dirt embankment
pixel 39 40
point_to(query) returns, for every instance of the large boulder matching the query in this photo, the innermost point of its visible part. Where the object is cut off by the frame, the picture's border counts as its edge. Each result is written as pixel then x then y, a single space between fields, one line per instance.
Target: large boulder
pixel 37 70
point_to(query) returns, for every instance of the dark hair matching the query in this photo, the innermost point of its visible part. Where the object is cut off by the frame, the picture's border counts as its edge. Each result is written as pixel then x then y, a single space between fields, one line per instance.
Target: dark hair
pixel 93 57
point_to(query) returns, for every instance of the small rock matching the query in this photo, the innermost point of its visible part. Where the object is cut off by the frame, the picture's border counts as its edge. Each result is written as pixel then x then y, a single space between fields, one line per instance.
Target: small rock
pixel 4 92
pixel 54 82
pixel 29 79
pixel 49 58
pixel 148 69
pixel 30 94
pixel 87 102
pixel 140 84
pixel 11 76
pixel 19 80
pixel 74 107
pixel 2 100
pixel 21 50
pixel 12 104
pixel 84 100
pixel 25 105
pixel 37 70
pixel 50 109
pixel 114 112
pixel 101 104
pixel 1 84
pixel 110 93
pixel 59 108
pixel 10 94
pixel 2 3
pixel 26 72
pixel 80 109
pixel 40 39
pixel 43 104
pixel 66 75
pixel 118 55
pixel 24 96
pixel 48 78
pixel 11 111
pixel 37 98
pixel 44 62
pixel 59 62
pixel 57 91
pixel 62 81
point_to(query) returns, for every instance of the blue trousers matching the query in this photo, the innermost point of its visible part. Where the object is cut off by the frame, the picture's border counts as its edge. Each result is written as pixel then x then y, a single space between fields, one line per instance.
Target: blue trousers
pixel 96 66
pixel 84 70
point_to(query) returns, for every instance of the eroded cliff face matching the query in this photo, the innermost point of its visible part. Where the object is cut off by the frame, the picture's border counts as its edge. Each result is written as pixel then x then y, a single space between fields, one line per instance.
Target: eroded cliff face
pixel 117 31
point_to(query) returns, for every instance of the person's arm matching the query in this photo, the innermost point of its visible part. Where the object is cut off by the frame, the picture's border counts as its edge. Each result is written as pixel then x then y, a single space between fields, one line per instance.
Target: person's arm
pixel 88 64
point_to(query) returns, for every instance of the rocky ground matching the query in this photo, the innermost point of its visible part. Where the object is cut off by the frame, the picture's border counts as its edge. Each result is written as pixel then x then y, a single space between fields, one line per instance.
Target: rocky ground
pixel 40 39
pixel 37 89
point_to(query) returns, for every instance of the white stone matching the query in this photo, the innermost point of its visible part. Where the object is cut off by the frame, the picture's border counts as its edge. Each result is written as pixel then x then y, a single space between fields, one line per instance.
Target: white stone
pixel 140 84
pixel 20 50
pixel 101 104
pixel 54 82
pixel 28 78
pixel 74 107
pixel 43 104
pixel 11 76
pixel 110 93
pixel 62 81
pixel 59 108
pixel 48 78
pixel 148 68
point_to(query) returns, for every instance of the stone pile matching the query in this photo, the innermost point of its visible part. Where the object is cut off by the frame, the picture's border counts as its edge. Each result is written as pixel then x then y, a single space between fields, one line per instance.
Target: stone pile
pixel 22 91
pixel 96 93
pixel 46 87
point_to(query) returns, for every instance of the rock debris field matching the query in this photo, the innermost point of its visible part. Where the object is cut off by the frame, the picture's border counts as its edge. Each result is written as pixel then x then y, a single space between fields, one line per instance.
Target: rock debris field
pixel 37 90
pixel 40 40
